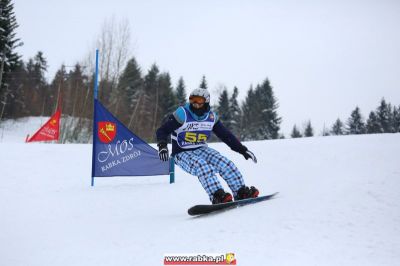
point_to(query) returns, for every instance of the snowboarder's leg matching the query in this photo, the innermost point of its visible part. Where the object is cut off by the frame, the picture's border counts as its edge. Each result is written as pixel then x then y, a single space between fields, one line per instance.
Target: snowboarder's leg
pixel 192 163
pixel 225 167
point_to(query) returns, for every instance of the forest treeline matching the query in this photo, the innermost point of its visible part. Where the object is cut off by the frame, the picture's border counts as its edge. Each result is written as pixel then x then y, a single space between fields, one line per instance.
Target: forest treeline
pixel 384 119
pixel 141 99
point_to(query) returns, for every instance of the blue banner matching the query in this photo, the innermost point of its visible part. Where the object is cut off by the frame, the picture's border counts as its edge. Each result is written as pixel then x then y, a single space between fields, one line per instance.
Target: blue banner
pixel 119 152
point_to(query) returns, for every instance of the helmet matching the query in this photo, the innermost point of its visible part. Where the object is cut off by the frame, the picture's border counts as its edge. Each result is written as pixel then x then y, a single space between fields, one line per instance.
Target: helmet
pixel 201 92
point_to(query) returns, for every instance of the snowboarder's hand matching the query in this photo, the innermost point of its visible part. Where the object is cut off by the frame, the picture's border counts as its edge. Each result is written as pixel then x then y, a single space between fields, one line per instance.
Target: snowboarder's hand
pixel 248 154
pixel 163 151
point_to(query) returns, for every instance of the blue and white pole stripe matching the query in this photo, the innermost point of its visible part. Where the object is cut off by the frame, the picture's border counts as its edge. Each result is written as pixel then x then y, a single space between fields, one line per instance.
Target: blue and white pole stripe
pixel 95 92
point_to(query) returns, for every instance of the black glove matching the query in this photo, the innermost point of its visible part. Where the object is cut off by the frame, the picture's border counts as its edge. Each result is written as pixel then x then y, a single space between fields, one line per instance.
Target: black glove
pixel 248 154
pixel 163 151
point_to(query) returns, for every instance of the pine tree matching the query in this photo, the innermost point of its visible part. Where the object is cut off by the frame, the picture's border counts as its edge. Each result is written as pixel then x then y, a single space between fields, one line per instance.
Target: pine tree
pixel 150 111
pixel 60 83
pixel 168 100
pixel 45 93
pixel 76 97
pixel 338 128
pixel 355 124
pixel 84 105
pixel 383 112
pixel 269 121
pixel 36 69
pixel 295 133
pixel 17 106
pixel 248 121
pixel 130 91
pixel 391 119
pixel 223 109
pixel 373 125
pixel 10 60
pixel 40 66
pixel 181 92
pixel 235 112
pixel 396 119
pixel 203 83
pixel 68 91
pixel 78 83
pixel 260 118
pixel 8 41
pixel 309 132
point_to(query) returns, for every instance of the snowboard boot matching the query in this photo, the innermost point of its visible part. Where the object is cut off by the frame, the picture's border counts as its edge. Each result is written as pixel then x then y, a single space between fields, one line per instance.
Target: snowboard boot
pixel 220 196
pixel 246 192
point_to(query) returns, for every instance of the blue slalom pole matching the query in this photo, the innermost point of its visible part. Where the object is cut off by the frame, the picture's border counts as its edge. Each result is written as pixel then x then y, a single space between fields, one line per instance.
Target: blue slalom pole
pixel 171 170
pixel 95 92
pixel 96 77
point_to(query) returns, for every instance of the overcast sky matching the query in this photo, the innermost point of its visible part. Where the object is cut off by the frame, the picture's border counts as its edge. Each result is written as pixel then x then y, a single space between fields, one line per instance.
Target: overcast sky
pixel 322 57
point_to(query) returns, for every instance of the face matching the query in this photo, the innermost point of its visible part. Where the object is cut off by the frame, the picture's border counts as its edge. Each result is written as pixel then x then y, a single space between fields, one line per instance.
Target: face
pixel 197 101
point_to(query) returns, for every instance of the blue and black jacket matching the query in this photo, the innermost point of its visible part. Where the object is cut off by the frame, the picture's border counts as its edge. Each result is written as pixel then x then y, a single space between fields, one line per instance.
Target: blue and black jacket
pixel 177 119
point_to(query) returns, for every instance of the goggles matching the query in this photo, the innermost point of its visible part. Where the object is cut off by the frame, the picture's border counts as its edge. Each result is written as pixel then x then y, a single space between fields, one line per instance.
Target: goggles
pixel 197 99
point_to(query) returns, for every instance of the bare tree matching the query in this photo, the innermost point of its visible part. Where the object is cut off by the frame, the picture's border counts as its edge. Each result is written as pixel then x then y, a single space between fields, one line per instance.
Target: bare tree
pixel 121 48
pixel 114 44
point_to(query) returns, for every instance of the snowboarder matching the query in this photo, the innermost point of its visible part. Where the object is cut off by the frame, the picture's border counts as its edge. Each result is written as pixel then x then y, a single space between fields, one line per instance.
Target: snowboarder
pixel 190 127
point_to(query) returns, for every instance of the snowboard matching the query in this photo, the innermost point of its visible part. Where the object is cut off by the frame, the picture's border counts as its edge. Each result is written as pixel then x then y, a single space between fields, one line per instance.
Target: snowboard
pixel 212 208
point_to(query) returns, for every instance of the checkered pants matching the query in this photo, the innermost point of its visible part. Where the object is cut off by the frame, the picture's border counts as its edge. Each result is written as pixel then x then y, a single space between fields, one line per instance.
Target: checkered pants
pixel 205 163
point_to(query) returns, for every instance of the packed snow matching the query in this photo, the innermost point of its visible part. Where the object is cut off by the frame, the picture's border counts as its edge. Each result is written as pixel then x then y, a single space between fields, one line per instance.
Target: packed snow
pixel 15 131
pixel 339 204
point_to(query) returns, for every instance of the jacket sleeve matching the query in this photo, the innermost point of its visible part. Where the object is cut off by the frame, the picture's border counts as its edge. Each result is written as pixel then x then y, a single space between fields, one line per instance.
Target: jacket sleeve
pixel 226 136
pixel 166 129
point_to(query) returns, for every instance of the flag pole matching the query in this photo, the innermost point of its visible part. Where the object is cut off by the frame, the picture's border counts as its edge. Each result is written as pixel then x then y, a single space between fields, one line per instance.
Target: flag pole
pixel 95 91
pixel 58 108
pixel 171 170
pixel 96 75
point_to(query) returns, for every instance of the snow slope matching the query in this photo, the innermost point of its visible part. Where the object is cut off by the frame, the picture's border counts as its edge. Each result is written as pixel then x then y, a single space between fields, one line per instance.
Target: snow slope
pixel 15 131
pixel 339 204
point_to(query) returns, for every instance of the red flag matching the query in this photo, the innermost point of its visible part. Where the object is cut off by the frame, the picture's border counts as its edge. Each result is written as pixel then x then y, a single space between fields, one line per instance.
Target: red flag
pixel 50 130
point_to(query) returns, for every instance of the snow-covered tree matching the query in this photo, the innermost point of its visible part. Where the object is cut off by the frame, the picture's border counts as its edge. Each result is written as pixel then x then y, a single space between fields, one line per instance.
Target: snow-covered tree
pixel 396 119
pixel 203 83
pixel 248 120
pixel 167 101
pixel 9 58
pixel 295 133
pixel 373 125
pixel 260 117
pixel 181 92
pixel 355 123
pixel 129 93
pixel 309 131
pixel 270 121
pixel 338 128
pixel 223 109
pixel 383 113
pixel 235 113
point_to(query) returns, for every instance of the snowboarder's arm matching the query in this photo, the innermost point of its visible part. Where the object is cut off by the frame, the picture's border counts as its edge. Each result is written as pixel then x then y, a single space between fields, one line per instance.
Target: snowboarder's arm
pixel 162 137
pixel 167 128
pixel 226 136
